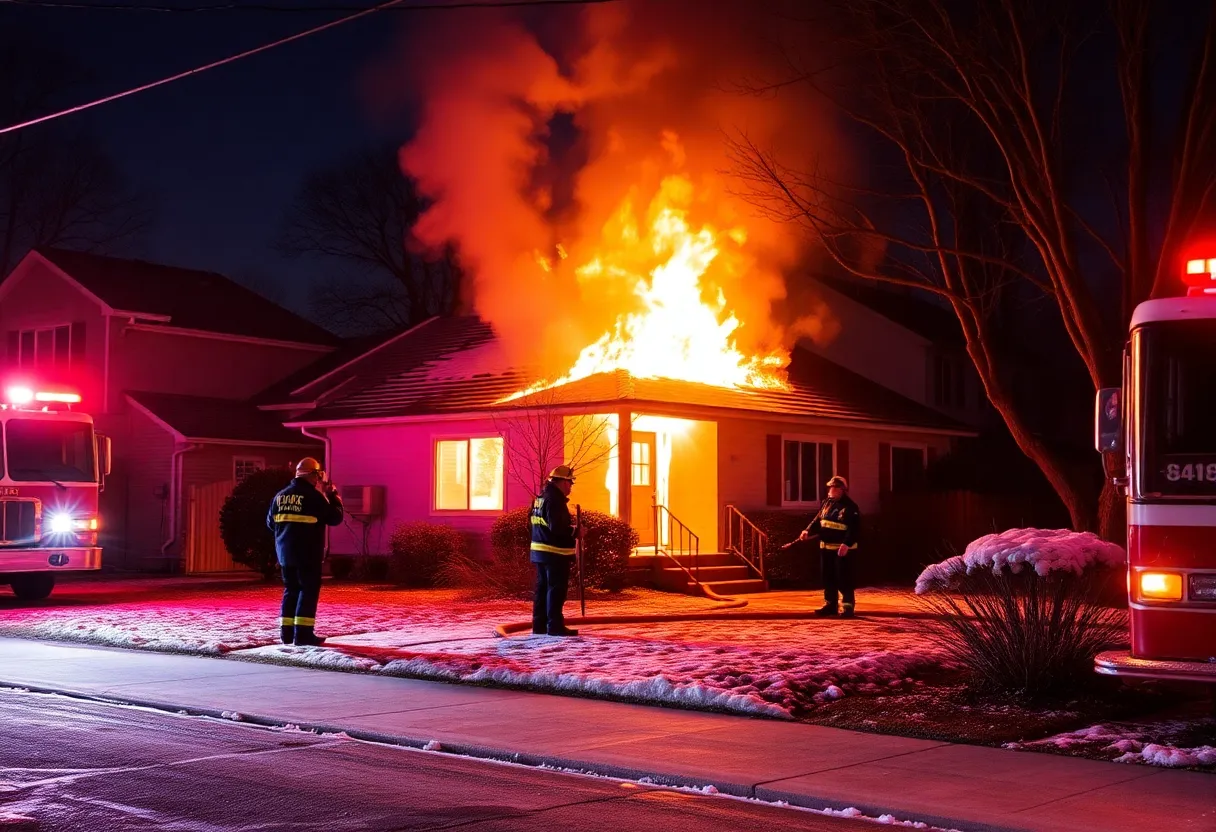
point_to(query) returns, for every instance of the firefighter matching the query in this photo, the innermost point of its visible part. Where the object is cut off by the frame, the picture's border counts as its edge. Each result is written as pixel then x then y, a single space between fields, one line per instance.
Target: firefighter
pixel 298 517
pixel 837 525
pixel 553 533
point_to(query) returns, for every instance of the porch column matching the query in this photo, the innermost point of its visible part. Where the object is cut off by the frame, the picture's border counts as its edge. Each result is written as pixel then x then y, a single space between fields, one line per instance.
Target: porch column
pixel 624 466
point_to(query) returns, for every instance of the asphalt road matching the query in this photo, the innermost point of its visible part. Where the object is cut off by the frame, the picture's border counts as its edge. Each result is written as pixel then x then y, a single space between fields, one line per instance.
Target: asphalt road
pixel 73 765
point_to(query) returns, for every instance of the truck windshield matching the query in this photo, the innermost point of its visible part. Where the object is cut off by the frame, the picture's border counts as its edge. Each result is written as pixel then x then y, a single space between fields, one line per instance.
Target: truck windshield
pixel 1178 389
pixel 44 451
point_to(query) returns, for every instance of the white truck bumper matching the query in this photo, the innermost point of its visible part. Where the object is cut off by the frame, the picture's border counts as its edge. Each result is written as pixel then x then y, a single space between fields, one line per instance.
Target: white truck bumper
pixel 50 559
pixel 1122 663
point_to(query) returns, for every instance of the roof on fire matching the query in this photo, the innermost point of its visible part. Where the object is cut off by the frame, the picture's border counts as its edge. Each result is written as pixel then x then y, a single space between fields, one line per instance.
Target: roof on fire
pixel 449 366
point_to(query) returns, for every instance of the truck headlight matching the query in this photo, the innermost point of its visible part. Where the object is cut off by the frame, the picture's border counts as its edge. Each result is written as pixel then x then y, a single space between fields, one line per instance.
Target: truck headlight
pixel 1160 586
pixel 64 523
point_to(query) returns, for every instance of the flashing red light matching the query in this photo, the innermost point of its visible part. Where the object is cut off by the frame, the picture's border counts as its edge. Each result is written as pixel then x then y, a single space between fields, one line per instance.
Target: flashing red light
pixel 62 398
pixel 1200 276
pixel 19 395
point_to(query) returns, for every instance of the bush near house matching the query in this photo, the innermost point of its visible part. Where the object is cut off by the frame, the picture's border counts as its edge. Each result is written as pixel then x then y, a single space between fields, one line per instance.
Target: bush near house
pixel 608 542
pixel 418 551
pixel 796 567
pixel 1026 610
pixel 243 520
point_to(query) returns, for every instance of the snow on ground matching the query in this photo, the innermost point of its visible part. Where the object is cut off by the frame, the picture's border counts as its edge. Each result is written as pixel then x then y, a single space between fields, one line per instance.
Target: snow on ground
pixel 1045 550
pixel 776 668
pixel 1156 744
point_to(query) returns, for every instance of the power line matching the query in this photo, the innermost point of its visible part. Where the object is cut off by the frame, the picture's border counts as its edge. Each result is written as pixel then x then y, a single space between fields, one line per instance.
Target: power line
pixel 469 4
pixel 270 7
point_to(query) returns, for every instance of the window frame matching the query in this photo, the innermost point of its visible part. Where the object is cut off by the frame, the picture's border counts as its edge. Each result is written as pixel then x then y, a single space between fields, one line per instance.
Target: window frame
pixel 923 447
pixel 73 352
pixel 237 459
pixel 468 439
pixel 802 439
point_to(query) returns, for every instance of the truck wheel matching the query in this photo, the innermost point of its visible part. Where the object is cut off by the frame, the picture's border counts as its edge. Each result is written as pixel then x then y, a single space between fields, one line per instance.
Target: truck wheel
pixel 33 586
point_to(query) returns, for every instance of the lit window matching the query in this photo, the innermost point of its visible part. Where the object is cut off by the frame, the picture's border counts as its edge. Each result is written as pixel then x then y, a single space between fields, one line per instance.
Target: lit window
pixel 243 466
pixel 641 463
pixel 469 474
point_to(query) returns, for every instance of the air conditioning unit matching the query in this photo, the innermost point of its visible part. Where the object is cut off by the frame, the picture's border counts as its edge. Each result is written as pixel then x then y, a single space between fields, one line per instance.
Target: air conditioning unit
pixel 363 500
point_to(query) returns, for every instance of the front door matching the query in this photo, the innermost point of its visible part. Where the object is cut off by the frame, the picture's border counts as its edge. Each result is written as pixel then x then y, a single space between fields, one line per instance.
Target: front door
pixel 642 485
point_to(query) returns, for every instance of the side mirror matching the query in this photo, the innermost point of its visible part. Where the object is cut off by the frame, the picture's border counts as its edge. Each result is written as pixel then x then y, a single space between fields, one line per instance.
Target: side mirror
pixel 104 461
pixel 1108 421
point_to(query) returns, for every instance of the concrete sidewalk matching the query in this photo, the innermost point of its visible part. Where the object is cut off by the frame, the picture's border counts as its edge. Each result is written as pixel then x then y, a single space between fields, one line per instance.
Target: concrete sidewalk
pixel 965 787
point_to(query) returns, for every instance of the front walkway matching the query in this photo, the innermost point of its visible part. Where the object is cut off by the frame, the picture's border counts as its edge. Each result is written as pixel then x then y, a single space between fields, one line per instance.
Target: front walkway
pixel 891 779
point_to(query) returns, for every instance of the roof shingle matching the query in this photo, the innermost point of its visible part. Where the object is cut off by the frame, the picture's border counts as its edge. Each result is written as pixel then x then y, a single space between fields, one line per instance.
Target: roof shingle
pixel 198 418
pixel 190 298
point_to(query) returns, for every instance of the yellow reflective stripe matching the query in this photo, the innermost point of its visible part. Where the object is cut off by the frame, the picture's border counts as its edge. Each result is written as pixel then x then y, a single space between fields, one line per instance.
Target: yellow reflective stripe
pixel 545 547
pixel 540 521
pixel 305 622
pixel 823 545
pixel 294 518
pixel 831 524
pixel 286 621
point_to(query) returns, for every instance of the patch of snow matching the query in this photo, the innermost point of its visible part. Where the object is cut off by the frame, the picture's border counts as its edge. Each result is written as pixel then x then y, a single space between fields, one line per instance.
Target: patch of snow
pixel 233 715
pixel 1044 550
pixel 433 745
pixel 1146 744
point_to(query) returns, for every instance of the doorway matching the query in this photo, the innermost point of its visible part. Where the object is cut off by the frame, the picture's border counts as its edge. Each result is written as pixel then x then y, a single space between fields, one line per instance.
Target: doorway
pixel 642 480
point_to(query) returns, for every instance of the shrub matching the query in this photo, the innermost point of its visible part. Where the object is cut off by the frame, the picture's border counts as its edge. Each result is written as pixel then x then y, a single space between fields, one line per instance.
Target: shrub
pixel 341 567
pixel 607 544
pixel 797 566
pixel 243 520
pixel 1032 631
pixel 419 549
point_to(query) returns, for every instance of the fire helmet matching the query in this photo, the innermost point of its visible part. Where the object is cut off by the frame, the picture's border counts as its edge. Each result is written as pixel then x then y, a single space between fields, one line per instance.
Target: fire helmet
pixel 307 466
pixel 562 472
pixel 839 480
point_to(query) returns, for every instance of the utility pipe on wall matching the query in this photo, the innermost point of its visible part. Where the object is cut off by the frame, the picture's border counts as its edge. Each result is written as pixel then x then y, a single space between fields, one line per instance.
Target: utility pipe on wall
pixel 175 493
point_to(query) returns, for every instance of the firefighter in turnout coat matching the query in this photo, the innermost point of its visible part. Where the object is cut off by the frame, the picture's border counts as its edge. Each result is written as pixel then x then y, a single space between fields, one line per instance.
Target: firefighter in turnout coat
pixel 298 516
pixel 553 534
pixel 838 526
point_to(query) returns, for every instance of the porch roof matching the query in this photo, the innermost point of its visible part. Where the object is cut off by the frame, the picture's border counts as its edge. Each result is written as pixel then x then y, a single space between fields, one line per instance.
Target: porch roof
pixel 450 366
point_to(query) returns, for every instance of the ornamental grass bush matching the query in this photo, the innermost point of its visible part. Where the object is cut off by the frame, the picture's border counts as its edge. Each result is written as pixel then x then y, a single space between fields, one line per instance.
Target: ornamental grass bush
pixel 1026 611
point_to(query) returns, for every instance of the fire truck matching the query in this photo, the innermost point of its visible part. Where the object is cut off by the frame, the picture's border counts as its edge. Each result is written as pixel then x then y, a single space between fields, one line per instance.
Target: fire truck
pixel 1157 435
pixel 52 468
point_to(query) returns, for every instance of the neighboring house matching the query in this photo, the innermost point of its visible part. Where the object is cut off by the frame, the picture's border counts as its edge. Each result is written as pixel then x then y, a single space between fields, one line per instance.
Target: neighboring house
pixel 419 423
pixel 905 343
pixel 165 359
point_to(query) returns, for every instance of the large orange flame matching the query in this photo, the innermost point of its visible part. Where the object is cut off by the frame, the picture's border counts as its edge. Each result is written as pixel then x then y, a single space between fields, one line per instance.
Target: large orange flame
pixel 683 327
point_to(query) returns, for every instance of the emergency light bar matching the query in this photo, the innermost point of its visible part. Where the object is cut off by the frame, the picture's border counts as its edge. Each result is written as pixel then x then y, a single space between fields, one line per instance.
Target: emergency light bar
pixel 1200 276
pixel 19 396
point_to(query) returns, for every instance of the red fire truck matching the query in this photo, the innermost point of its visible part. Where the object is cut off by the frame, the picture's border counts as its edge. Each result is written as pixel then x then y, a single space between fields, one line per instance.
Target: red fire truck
pixel 52 468
pixel 1157 434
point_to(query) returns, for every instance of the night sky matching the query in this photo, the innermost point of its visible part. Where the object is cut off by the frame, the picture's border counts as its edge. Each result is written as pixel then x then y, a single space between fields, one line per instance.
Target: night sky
pixel 223 152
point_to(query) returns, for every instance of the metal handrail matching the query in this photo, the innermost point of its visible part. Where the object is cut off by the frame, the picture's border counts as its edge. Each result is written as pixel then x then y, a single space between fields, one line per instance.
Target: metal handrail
pixel 744 538
pixel 686 535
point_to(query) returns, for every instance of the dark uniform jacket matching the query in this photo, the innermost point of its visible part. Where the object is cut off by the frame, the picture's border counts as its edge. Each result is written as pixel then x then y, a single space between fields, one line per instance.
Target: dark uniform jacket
pixel 838 521
pixel 298 516
pixel 552 528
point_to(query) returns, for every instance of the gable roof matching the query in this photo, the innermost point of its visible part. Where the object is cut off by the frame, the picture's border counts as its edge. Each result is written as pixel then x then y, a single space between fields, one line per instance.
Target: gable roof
pixel 454 365
pixel 913 312
pixel 202 419
pixel 304 385
pixel 188 298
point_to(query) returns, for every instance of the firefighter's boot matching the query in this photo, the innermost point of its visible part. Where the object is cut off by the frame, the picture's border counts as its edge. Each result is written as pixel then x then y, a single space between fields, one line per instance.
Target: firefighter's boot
pixel 826 611
pixel 848 611
pixel 305 637
pixel 287 633
pixel 562 631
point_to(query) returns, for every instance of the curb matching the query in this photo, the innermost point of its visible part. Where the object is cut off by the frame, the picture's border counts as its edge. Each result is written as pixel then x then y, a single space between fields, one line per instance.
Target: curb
pixel 642 777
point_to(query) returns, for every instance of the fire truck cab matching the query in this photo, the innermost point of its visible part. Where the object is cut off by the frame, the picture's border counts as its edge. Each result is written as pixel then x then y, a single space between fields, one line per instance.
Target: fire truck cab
pixel 1157 435
pixel 52 468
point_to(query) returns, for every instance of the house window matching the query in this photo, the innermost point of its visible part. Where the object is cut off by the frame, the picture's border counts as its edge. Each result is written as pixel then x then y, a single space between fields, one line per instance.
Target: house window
pixel 469 474
pixel 907 469
pixel 243 466
pixel 55 348
pixel 949 382
pixel 641 463
pixel 807 466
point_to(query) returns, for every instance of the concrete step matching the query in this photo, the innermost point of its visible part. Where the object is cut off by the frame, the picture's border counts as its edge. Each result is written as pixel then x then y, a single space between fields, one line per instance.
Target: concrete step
pixel 705 574
pixel 707 559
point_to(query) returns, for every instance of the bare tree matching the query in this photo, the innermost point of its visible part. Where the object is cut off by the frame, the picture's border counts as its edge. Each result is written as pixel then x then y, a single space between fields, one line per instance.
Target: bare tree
pixel 543 433
pixel 979 106
pixel 58 186
pixel 358 214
